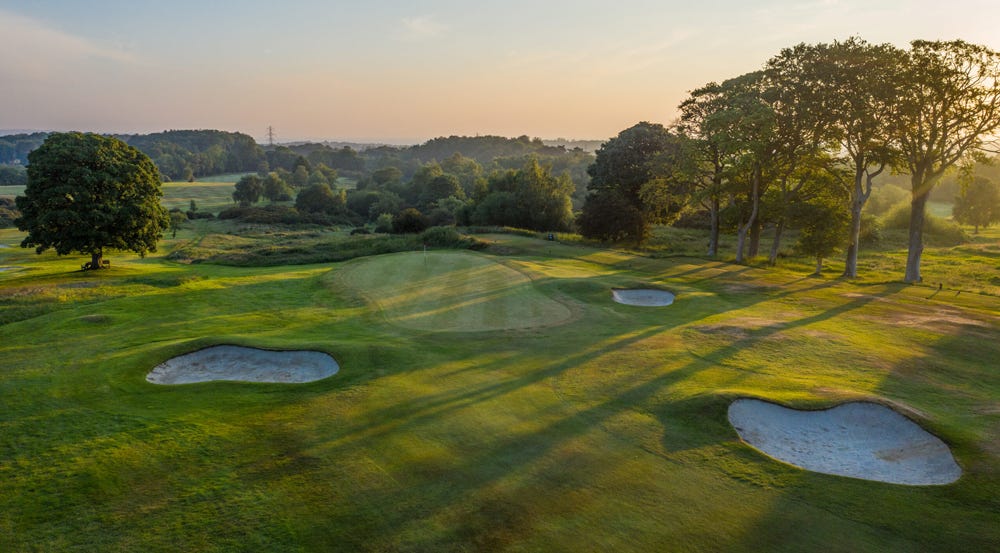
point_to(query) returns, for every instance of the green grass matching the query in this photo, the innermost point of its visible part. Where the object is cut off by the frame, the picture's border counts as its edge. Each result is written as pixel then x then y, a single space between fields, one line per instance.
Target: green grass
pixel 231 178
pixel 605 430
pixel 11 190
pixel 208 196
pixel 452 291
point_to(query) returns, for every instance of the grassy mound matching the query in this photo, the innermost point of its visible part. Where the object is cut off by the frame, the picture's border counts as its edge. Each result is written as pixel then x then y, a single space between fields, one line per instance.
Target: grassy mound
pixel 452 292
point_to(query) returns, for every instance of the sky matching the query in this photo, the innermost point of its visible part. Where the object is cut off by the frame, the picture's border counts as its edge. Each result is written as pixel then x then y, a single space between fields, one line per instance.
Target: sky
pixel 405 72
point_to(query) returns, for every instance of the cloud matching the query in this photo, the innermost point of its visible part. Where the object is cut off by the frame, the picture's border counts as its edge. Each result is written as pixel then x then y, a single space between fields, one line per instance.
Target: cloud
pixel 422 27
pixel 43 51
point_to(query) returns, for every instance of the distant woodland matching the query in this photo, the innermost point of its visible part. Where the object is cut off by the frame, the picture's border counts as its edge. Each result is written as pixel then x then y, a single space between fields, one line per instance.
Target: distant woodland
pixel 190 154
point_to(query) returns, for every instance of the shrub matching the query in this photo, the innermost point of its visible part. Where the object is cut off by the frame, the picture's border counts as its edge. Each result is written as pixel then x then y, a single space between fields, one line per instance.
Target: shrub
pixel 8 212
pixel 441 217
pixel 440 236
pixel 939 231
pixel 448 237
pixel 886 197
pixel 409 221
pixel 871 231
pixel 383 223
pixel 695 218
pixel 319 198
pixel 282 214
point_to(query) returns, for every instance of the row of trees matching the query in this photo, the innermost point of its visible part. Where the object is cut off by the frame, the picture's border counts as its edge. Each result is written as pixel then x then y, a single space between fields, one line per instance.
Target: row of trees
pixel 455 191
pixel 813 128
pixel 14 148
pixel 459 190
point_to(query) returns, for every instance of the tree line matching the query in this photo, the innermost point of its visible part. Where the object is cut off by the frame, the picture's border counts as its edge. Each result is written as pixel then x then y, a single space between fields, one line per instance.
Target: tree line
pixel 456 191
pixel 799 143
pixel 178 154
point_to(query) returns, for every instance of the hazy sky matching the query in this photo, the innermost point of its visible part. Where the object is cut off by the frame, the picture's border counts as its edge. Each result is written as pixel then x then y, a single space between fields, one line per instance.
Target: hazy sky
pixel 409 71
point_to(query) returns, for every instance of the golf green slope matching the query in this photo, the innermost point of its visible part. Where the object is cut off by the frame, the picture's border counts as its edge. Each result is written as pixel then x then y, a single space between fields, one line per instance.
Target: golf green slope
pixel 452 291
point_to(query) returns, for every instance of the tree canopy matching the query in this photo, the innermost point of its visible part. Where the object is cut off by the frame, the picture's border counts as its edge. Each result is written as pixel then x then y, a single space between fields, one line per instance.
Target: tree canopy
pixel 87 193
pixel 248 190
pixel 978 204
pixel 633 167
pixel 950 101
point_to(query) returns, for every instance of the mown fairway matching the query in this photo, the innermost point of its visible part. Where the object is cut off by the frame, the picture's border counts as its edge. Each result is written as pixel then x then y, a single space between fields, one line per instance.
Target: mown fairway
pixel 597 426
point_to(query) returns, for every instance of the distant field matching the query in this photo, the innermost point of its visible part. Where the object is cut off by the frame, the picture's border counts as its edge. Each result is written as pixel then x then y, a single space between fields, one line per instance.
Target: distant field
pixel 211 196
pixel 229 177
pixel 11 190
pixel 208 196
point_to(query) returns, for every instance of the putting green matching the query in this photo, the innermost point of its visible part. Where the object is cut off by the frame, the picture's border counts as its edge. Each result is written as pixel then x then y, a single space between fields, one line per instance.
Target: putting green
pixel 452 292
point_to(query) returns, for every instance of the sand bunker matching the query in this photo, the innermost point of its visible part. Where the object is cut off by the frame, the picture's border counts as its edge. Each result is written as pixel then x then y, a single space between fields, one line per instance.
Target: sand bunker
pixel 859 440
pixel 244 365
pixel 643 297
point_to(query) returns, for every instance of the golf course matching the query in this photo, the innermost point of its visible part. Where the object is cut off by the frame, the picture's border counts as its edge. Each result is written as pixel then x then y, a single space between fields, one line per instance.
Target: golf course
pixel 489 400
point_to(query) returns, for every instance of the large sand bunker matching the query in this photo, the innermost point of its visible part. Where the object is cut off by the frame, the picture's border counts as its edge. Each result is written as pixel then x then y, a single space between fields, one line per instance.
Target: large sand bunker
pixel 859 440
pixel 244 365
pixel 646 297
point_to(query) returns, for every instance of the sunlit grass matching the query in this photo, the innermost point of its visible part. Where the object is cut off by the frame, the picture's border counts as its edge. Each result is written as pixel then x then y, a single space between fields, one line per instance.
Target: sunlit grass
pixel 209 196
pixel 452 291
pixel 606 431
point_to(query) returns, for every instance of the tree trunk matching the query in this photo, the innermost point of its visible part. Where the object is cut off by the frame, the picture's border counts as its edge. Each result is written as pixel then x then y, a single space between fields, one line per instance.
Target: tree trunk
pixel 713 237
pixel 772 260
pixel 741 235
pixel 851 265
pixel 916 246
pixel 754 247
pixel 819 266
pixel 859 196
pixel 741 240
pixel 95 259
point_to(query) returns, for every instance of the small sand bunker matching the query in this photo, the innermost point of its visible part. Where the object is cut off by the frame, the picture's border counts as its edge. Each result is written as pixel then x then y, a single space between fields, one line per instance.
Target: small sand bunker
pixel 644 297
pixel 244 365
pixel 858 440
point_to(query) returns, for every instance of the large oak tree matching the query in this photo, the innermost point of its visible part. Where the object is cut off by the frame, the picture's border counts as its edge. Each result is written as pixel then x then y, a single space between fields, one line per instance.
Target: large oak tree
pixel 89 193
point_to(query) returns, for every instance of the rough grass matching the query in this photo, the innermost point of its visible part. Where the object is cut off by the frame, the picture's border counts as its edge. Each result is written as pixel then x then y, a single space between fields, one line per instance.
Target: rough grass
pixel 607 432
pixel 261 245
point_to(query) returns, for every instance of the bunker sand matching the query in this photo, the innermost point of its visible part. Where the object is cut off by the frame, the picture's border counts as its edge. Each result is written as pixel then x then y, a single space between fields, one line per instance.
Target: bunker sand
pixel 643 297
pixel 242 364
pixel 859 440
